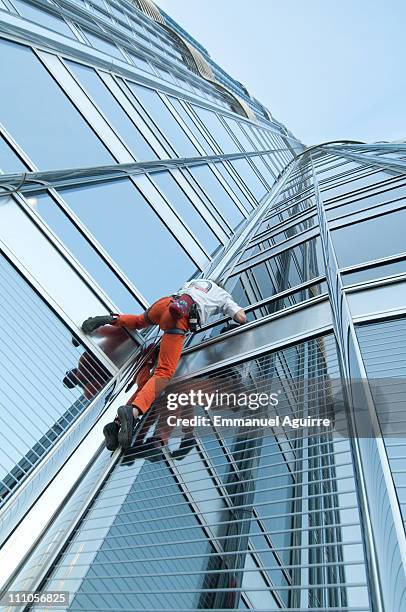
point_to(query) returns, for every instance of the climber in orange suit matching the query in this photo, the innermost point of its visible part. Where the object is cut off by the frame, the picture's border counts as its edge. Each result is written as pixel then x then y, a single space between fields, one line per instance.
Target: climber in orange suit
pixel 110 430
pixel 172 314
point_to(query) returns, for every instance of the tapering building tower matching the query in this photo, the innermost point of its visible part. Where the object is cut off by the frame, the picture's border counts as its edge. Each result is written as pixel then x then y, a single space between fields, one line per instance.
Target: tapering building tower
pixel 130 161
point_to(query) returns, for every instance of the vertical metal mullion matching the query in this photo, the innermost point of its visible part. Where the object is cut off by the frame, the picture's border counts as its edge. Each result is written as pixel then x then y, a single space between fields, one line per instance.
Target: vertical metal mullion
pixel 341 317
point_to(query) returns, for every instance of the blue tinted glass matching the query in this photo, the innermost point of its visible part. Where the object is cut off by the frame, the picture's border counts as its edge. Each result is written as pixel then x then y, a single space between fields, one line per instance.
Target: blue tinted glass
pixel 287 269
pixel 371 239
pixel 48 128
pixel 103 45
pixel 85 254
pixel 192 126
pixel 141 63
pixel 263 169
pixel 392 192
pixel 134 236
pixel 216 130
pixel 140 547
pixel 395 267
pixel 181 203
pixel 345 187
pixel 36 352
pixel 43 18
pixel 246 145
pixel 248 175
pixel 113 111
pixel 217 194
pixel 165 121
pixel 9 162
pixel 226 174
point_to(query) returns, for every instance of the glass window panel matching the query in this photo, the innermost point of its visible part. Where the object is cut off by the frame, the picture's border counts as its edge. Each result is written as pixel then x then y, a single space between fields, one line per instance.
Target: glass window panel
pixel 216 130
pixel 394 267
pixel 242 198
pixel 376 199
pixel 164 120
pixel 141 63
pixel 131 232
pixel 202 195
pixel 122 565
pixel 263 169
pixel 357 183
pixel 248 175
pixel 9 161
pixel 288 269
pixel 235 126
pixel 181 203
pixel 220 198
pixel 80 248
pixel 343 175
pixel 35 354
pixel 280 237
pixel 113 111
pixel 48 128
pixel 44 18
pixel 371 239
pixel 192 126
pixel 273 163
pixel 333 168
pixel 103 46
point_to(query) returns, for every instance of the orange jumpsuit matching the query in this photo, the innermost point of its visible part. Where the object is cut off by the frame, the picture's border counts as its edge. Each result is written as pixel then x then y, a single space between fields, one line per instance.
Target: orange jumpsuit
pixel 170 348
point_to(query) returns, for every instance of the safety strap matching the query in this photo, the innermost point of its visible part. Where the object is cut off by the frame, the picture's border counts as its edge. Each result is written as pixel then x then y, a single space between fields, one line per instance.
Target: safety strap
pixel 146 317
pixel 176 331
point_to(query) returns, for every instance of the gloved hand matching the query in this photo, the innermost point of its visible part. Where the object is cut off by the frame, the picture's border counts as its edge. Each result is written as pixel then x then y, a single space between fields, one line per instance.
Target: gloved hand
pixel 93 323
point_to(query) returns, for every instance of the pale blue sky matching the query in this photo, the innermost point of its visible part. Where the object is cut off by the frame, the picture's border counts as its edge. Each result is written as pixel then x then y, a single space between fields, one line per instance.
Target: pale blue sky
pixel 328 69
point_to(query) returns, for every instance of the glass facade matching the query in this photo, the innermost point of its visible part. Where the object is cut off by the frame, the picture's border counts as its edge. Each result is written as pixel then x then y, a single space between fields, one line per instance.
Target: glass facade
pixel 130 162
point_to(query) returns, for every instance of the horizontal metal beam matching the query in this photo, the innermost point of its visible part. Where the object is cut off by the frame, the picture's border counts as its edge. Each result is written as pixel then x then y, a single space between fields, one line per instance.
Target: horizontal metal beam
pixel 39 181
pixel 251 340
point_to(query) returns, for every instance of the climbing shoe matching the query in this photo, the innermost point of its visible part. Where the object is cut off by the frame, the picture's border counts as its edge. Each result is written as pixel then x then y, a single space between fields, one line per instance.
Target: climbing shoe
pixel 127 421
pixel 110 432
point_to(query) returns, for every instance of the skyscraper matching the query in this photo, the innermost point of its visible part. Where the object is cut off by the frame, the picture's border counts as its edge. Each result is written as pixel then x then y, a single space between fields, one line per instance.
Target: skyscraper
pixel 130 162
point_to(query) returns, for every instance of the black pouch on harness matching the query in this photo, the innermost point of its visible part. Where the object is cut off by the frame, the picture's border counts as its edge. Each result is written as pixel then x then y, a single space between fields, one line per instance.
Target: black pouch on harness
pixel 194 321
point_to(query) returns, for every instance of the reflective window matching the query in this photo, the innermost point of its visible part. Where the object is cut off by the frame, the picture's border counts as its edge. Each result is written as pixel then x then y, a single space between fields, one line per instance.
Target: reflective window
pixel 273 465
pixel 248 175
pixel 288 269
pixel 35 355
pixel 164 120
pixel 49 128
pixel 127 227
pixel 43 18
pixel 9 161
pixel 220 198
pixel 82 250
pixel 356 182
pixel 267 173
pixel 393 192
pixel 371 239
pixel 181 203
pixel 290 232
pixel 226 173
pixel 140 547
pixel 383 349
pixel 192 126
pixel 141 63
pixel 216 129
pixel 202 195
pixel 359 276
pixel 237 130
pixel 102 45
pixel 273 163
pixel 113 111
